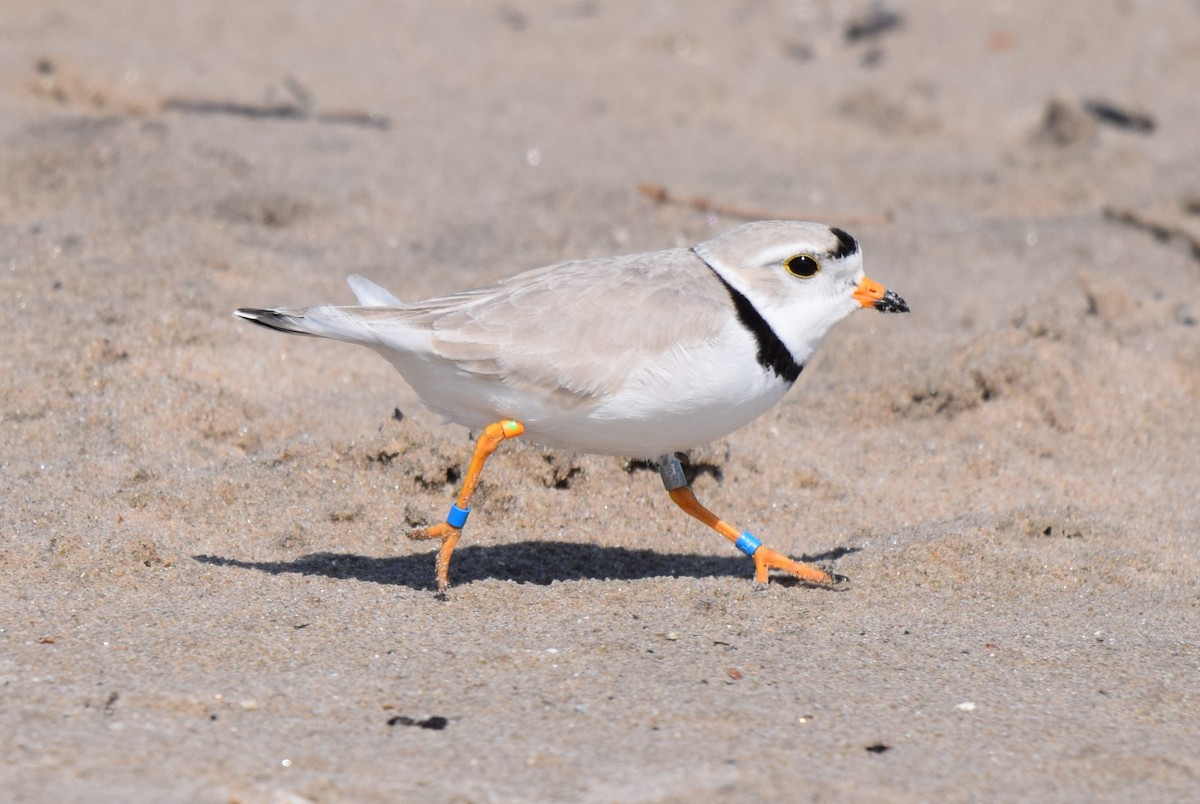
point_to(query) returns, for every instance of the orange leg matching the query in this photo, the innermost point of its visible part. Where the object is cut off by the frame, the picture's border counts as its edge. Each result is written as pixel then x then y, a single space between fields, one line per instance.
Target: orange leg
pixel 764 557
pixel 451 529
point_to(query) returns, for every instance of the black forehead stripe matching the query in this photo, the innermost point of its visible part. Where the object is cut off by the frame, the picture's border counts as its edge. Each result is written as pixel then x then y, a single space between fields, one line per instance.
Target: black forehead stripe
pixel 847 245
pixel 773 354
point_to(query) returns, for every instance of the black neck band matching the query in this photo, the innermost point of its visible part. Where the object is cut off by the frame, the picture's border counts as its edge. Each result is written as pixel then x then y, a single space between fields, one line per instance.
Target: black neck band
pixel 773 353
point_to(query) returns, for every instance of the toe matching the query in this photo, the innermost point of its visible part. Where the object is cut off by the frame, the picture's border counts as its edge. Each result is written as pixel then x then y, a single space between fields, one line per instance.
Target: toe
pixel 805 572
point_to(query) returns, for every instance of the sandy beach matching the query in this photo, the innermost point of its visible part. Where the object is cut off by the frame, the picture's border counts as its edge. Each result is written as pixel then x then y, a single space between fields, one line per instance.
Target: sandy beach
pixel 206 592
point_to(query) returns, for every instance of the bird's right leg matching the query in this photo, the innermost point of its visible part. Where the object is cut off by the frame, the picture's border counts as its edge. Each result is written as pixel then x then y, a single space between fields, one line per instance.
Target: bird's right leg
pixel 671 472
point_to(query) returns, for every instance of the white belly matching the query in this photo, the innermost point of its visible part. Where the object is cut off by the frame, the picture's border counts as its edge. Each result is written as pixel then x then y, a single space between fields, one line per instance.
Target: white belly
pixel 678 402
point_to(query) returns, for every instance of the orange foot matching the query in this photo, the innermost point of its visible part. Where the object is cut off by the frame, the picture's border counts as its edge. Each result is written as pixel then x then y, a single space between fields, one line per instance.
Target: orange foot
pixel 449 536
pixel 764 557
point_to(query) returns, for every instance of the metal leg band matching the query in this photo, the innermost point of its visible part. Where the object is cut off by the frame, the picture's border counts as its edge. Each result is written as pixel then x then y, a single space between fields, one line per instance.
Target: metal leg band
pixel 671 472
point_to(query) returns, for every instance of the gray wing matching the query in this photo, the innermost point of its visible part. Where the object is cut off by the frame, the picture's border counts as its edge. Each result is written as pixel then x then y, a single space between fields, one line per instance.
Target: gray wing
pixel 578 330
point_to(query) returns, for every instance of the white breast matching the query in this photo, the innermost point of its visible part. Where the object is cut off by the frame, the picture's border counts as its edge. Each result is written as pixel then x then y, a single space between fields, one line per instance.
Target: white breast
pixel 673 400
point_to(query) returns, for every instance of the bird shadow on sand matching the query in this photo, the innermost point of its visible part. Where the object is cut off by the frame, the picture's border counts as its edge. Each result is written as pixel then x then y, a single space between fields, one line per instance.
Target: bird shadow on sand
pixel 538 562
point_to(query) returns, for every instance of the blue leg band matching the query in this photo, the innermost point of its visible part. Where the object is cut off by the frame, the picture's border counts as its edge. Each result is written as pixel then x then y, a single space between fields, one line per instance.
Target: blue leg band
pixel 747 543
pixel 457 516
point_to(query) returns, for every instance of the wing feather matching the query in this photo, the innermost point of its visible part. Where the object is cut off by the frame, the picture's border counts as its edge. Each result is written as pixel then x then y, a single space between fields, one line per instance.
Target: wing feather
pixel 579 330
pixel 572 332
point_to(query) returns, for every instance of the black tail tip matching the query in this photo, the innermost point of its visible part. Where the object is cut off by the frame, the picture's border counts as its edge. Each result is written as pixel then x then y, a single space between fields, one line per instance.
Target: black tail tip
pixel 272 319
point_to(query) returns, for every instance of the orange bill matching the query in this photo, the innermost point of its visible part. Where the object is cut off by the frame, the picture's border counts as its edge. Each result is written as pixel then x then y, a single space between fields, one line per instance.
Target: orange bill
pixel 870 293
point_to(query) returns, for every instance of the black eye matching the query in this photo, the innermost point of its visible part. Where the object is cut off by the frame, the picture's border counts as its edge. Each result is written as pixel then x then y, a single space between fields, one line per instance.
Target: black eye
pixel 802 265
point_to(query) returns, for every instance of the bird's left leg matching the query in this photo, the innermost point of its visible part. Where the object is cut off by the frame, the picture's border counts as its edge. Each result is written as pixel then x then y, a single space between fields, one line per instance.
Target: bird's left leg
pixel 671 471
pixel 451 529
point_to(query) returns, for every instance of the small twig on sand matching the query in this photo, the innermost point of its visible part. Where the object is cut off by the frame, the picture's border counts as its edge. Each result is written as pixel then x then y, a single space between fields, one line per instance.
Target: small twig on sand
pixel 275 111
pixel 659 193
pixel 1160 231
pixel 286 111
pixel 1114 115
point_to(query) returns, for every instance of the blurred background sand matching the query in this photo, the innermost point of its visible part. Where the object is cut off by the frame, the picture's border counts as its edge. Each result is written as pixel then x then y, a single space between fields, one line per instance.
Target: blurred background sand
pixel 207 595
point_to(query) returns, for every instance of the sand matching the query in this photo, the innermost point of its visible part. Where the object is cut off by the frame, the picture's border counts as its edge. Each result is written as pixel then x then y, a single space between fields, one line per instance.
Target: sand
pixel 206 590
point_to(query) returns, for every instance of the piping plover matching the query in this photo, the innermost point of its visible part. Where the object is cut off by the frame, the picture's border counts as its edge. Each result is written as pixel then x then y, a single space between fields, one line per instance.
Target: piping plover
pixel 641 356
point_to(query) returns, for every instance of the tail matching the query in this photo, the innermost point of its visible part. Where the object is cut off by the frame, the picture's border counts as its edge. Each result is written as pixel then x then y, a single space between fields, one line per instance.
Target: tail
pixel 326 321
pixel 294 321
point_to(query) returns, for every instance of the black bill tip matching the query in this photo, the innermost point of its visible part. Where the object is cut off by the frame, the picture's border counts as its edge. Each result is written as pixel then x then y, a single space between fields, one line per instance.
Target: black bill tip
pixel 891 303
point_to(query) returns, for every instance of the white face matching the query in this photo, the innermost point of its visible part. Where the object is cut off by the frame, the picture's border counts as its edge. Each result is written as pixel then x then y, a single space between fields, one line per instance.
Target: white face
pixel 801 277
